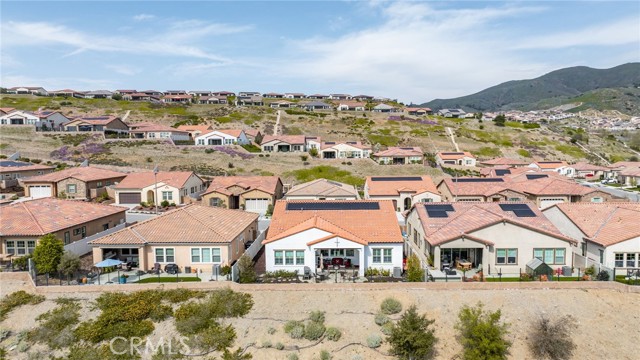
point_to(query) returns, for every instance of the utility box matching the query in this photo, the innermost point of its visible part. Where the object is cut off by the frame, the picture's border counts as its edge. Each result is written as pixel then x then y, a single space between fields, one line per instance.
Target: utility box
pixel 397 272
pixel 566 271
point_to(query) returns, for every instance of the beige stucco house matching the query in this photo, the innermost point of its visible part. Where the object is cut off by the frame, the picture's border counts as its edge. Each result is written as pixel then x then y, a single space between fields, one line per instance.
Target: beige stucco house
pixel 404 191
pixel 178 187
pixel 250 193
pixel 194 235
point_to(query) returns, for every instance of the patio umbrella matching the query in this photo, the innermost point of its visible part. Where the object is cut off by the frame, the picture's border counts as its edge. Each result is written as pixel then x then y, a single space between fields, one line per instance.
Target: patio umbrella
pixel 108 262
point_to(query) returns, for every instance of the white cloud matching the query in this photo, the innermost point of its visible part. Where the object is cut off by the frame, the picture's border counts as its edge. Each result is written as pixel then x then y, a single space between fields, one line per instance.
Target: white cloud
pixel 123 69
pixel 56 83
pixel 143 17
pixel 620 32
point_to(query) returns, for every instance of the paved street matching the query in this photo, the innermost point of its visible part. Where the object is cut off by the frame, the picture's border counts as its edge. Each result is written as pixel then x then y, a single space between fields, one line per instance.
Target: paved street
pixel 630 195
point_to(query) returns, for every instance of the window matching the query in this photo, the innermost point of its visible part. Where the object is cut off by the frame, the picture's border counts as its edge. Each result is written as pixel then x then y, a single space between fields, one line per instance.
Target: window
pixel 107 183
pixel 584 249
pixel 550 256
pixel 167 195
pixel 105 227
pixel 631 260
pixel 99 184
pixel 415 236
pixel 596 199
pixel 200 141
pixel 515 199
pixel 337 252
pixel 215 202
pixel 268 148
pixel 228 141
pixel 427 200
pixel 195 255
pixel 67 238
pixel 350 252
pixel 386 256
pixel 290 257
pixel 165 255
pixel 382 256
pixel 76 232
pixel 601 256
pixel 71 188
pixel 619 260
pixel 11 247
pixel 506 256
pixel 205 255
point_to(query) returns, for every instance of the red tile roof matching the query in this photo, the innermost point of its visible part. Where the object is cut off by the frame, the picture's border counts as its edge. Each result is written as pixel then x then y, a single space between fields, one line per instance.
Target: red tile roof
pixel 191 224
pixel 268 184
pixel 289 139
pixel 26 167
pixel 454 155
pixel 46 215
pixel 140 180
pixel 85 174
pixel 393 188
pixel 381 226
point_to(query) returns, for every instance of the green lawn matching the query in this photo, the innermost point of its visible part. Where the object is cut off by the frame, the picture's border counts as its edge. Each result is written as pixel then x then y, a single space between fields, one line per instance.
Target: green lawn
pixel 515 279
pixel 326 172
pixel 168 279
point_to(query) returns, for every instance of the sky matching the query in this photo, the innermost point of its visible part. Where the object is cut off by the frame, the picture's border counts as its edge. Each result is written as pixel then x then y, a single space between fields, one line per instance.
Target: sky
pixel 410 51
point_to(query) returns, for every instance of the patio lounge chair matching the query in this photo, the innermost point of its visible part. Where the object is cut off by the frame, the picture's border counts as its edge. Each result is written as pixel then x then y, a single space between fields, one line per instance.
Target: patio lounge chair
pixel 156 269
pixel 307 273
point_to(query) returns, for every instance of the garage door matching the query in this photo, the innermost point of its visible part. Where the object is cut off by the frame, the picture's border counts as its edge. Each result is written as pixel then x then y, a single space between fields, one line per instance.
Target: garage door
pixel 257 205
pixel 545 203
pixel 129 198
pixel 39 191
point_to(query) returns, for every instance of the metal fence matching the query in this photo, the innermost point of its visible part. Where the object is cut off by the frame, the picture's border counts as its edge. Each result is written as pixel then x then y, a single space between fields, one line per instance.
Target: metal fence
pixel 251 251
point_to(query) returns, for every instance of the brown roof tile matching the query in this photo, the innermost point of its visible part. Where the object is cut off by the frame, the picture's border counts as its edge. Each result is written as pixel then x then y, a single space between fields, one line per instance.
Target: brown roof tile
pixel 323 187
pixel 393 188
pixel 268 184
pixel 85 174
pixel 24 167
pixel 191 224
pixel 454 155
pixel 140 180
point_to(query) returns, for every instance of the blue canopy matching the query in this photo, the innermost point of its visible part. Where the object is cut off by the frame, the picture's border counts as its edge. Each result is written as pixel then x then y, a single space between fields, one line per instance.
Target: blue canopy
pixel 108 262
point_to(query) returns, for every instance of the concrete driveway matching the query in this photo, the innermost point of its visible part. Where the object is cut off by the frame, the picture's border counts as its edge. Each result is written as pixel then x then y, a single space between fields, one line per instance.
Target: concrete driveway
pixel 618 192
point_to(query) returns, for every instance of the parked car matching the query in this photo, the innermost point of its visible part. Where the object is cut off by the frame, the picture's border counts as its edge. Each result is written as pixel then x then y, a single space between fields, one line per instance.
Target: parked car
pixel 171 269
pixel 609 181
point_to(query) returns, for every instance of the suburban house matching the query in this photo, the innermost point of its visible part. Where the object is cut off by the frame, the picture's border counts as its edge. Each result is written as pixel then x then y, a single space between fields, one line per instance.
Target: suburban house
pixel 194 236
pixel 363 97
pixel 399 156
pixel 6 110
pixel 284 143
pixel 176 92
pixel 463 158
pixel 176 99
pixel 77 183
pixel 106 123
pixel 139 96
pixel 404 191
pixel 200 93
pixel 212 100
pixel 616 168
pixel 125 92
pixel 195 130
pixel 97 94
pixel 542 189
pixel 273 95
pixel 64 92
pixel 50 120
pixel 583 170
pixel 223 137
pixel 384 108
pixel 351 106
pixel 179 187
pixel 605 233
pixel 340 97
pixel 250 100
pixel 250 193
pixel 152 131
pixel 19 117
pixel 318 96
pixel 33 90
pixel 503 161
pixel 630 176
pixel 344 150
pixel 154 93
pixel 561 167
pixel 11 171
pixel 309 234
pixel 249 93
pixel 23 223
pixel 282 104
pixel 254 135
pixel 494 237
pixel 452 113
pixel 315 105
pixel 224 93
pixel 322 189
pixel 294 96
pixel 417 111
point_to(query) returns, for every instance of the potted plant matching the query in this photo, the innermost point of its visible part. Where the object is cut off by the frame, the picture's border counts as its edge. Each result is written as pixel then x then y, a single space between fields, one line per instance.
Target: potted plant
pixel 123 279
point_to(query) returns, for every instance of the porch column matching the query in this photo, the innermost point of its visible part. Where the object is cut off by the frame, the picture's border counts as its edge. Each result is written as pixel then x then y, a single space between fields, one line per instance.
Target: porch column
pixel 142 259
pixel 485 259
pixel 436 258
pixel 361 261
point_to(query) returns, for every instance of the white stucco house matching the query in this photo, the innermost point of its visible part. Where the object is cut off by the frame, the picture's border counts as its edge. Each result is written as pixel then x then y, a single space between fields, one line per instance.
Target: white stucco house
pixel 403 191
pixel 462 158
pixel 608 234
pixel 223 137
pixel 320 234
pixel 19 117
pixel 343 150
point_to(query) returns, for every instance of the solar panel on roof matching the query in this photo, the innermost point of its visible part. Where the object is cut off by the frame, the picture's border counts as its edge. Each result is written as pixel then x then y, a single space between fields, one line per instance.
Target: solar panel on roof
pixel 333 206
pixel 330 142
pixel 511 207
pixel 351 142
pixel 524 213
pixel 406 148
pixel 440 207
pixel 536 176
pixel 397 178
pixel 503 172
pixel 9 163
pixel 437 214
pixel 452 153
pixel 477 180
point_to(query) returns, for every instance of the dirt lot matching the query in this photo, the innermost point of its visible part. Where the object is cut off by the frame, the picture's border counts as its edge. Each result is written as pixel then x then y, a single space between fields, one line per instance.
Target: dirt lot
pixel 607 320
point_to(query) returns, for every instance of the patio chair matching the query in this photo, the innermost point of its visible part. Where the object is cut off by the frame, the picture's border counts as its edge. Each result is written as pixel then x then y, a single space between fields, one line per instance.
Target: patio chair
pixel 156 269
pixel 307 273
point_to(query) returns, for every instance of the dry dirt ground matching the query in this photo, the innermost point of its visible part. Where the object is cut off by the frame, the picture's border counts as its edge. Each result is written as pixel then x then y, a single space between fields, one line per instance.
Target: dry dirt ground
pixel 607 321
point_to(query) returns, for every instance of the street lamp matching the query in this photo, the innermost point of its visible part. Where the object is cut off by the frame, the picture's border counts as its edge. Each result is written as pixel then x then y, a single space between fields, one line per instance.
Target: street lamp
pixel 155 177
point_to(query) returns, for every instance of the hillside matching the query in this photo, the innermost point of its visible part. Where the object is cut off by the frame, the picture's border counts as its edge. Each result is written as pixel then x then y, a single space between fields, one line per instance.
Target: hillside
pixel 558 87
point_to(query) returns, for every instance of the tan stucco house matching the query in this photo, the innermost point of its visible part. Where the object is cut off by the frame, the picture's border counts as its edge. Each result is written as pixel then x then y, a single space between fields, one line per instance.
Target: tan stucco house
pixel 178 187
pixel 250 193
pixel 78 183
pixel 404 191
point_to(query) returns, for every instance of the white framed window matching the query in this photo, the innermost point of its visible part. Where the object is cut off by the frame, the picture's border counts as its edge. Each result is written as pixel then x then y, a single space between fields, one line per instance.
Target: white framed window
pixel 337 252
pixel 71 188
pixel 228 141
pixel 20 247
pixel 550 256
pixel 619 260
pixel 268 148
pixel 165 255
pixel 382 256
pixel 167 195
pixel 506 256
pixel 631 260
pixel 289 257
pixel 215 202
pixel 99 184
pixel 350 252
pixel 206 255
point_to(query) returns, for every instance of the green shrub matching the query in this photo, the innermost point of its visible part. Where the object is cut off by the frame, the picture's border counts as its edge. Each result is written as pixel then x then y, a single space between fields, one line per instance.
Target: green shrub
pixel 297 332
pixel 4 333
pixel 381 319
pixel 317 316
pixel 387 328
pixel 551 339
pixel 374 341
pixel 325 355
pixel 17 299
pixel 412 337
pixel 246 269
pixel 279 346
pixel 390 306
pixel 291 324
pixel 333 333
pixel 56 327
pixel 414 269
pixel 292 356
pixel 267 344
pixel 271 331
pixel 314 331
pixel 482 334
pixel 164 203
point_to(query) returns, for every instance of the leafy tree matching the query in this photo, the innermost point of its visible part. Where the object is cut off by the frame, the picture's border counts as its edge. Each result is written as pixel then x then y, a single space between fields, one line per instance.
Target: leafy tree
pixel 236 355
pixel 47 254
pixel 481 334
pixel 551 339
pixel 412 338
pixel 69 263
pixel 414 270
pixel 313 152
pixel 500 120
pixel 247 270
